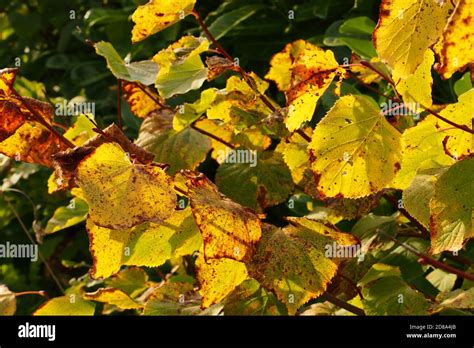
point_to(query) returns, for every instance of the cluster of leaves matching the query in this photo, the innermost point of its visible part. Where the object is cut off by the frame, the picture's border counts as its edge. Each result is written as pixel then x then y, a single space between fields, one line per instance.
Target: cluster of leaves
pixel 233 238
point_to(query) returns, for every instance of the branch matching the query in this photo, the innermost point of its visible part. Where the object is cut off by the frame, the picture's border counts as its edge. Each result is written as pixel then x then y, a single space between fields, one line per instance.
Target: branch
pixel 242 72
pixel 340 303
pixel 430 261
pixel 438 116
pixel 394 203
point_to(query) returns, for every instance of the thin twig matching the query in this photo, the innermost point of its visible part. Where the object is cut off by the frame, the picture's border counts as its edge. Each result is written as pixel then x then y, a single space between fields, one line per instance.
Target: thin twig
pixel 394 203
pixel 351 282
pixel 303 135
pixel 242 72
pixel 48 267
pixel 119 103
pixel 340 303
pixel 381 74
pixel 430 261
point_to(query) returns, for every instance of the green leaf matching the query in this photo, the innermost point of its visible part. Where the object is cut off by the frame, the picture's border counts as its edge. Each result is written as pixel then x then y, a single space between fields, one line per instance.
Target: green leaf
pixel 226 22
pixel 132 281
pixel 113 297
pixel 144 71
pixel 249 298
pixel 451 221
pixel 463 85
pixel 147 244
pixel 65 217
pixel 184 149
pixel 385 293
pixel 262 180
pixel 292 262
pixel 191 112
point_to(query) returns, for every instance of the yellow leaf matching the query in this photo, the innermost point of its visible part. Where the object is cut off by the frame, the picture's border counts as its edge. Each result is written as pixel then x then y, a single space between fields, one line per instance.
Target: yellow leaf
pixel 148 244
pixel 457 142
pixel 122 194
pixel 416 88
pixel 113 297
pixel 406 29
pixel 218 278
pixel 293 262
pixel 303 71
pixel 456 47
pixel 157 15
pixel 66 305
pixel 422 148
pixel 229 230
pixel 81 131
pixel 141 104
pixel 355 151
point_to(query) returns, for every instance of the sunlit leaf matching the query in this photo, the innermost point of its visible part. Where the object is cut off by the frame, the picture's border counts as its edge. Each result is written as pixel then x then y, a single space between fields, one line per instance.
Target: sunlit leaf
pixel 66 305
pixel 148 244
pixel 157 15
pixel 7 301
pixel 456 47
pixel 113 297
pixel 355 150
pixel 122 194
pixel 291 262
pixel 303 71
pixel 406 29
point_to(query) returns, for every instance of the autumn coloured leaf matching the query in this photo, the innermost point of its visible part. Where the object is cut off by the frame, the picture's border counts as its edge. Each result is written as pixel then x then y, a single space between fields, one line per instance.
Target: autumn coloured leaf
pixel 113 297
pixel 415 88
pixel 148 244
pixel 457 142
pixel 417 196
pixel 131 280
pixel 303 71
pixel 228 229
pixel 122 194
pixel 451 208
pixel 218 278
pixel 292 263
pixel 257 180
pixel 66 305
pixel 406 29
pixel 7 301
pixel 157 15
pixel 216 66
pixel 422 149
pixel 181 67
pixel 141 104
pixel 355 151
pixel 456 46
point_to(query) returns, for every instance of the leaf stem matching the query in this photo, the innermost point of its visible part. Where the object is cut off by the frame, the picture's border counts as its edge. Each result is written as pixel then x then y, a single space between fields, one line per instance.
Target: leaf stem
pixel 119 103
pixel 382 75
pixel 210 135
